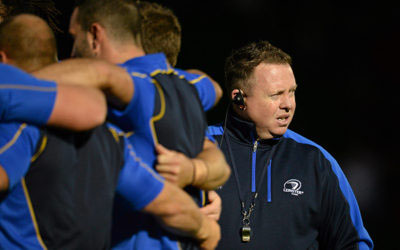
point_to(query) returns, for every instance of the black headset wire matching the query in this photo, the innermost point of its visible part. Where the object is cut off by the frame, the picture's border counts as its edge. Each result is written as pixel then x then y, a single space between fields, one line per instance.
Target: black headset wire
pixel 224 127
pixel 226 118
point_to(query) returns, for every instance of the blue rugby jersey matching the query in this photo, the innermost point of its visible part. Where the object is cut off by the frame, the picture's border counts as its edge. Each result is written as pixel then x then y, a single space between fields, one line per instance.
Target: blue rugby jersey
pixel 62 186
pixel 167 108
pixel 137 118
pixel 24 98
pixel 203 85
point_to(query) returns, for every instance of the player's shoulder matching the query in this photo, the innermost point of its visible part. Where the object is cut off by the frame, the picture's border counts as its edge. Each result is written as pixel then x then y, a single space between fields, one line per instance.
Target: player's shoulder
pixel 137 74
pixel 135 71
pixel 4 68
pixel 11 76
pixel 8 70
pixel 192 78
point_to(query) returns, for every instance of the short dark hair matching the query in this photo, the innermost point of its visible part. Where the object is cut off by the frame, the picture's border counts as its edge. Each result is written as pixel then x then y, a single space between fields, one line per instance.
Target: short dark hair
pixel 160 30
pixel 45 9
pixel 240 65
pixel 30 47
pixel 119 17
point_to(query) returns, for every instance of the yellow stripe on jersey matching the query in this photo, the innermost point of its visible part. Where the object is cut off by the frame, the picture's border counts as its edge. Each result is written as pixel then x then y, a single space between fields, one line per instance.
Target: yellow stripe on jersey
pixel 162 111
pixel 129 134
pixel 137 74
pixel 143 164
pixel 14 139
pixel 203 198
pixel 197 79
pixel 25 87
pixel 35 225
pixel 41 149
pixel 161 71
pixel 114 134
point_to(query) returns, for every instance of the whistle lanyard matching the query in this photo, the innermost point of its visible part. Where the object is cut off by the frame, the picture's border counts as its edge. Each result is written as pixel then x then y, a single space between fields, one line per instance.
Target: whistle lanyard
pixel 246 213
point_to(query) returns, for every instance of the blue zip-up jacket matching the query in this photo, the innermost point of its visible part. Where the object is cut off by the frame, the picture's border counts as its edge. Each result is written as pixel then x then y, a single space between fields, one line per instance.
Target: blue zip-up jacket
pixel 304 202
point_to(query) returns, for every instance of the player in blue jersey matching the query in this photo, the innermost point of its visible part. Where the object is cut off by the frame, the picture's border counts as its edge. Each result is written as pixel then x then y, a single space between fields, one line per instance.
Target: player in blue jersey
pixel 56 192
pixel 161 32
pixel 119 47
pixel 25 98
pixel 159 106
pixel 56 213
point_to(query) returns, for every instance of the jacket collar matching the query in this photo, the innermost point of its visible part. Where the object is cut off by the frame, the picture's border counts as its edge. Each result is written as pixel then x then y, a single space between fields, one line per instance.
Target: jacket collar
pixel 245 131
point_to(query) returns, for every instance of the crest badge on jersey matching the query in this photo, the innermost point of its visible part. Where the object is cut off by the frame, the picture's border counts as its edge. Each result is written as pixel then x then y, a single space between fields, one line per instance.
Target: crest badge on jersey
pixel 293 186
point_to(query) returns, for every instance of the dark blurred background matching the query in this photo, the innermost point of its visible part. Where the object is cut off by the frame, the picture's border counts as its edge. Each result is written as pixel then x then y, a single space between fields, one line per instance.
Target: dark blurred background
pixel 345 59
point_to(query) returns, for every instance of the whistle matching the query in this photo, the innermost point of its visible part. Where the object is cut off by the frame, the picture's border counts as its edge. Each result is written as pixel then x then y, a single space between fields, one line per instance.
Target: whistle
pixel 246 234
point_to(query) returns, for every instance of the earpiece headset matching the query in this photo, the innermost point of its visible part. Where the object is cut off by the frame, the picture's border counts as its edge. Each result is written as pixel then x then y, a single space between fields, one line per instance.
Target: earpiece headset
pixel 239 100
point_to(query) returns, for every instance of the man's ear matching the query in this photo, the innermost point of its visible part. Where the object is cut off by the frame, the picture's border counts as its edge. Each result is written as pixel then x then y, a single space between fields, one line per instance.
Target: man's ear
pixel 3 57
pixel 238 99
pixel 234 93
pixel 95 37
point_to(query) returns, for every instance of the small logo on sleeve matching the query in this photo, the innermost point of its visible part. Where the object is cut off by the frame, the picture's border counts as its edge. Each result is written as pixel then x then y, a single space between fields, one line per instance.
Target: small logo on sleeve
pixel 292 186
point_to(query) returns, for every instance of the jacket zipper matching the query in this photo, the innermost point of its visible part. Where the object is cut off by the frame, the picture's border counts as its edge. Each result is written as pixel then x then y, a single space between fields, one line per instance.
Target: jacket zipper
pixel 253 165
pixel 253 172
pixel 269 193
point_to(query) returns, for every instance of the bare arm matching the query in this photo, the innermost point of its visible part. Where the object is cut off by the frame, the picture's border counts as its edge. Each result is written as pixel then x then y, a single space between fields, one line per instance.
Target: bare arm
pixel 207 171
pixel 93 73
pixel 179 213
pixel 78 108
pixel 211 169
pixel 3 180
pixel 217 87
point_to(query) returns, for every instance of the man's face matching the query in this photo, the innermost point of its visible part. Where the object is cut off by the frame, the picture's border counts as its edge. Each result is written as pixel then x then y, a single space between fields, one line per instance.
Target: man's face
pixel 81 46
pixel 271 102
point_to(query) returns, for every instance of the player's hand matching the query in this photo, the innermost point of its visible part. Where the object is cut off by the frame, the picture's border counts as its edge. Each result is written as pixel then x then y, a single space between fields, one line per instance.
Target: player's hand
pixel 213 209
pixel 210 234
pixel 175 167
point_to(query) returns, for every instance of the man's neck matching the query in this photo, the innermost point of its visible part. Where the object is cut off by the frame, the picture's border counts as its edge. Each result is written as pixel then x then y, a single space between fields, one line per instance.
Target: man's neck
pixel 263 133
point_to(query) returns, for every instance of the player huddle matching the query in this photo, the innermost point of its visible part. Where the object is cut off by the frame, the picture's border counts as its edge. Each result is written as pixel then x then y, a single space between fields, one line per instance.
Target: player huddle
pixel 111 148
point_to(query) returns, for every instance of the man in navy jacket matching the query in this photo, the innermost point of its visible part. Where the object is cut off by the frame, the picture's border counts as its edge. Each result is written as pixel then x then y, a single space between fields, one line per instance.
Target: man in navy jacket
pixel 286 192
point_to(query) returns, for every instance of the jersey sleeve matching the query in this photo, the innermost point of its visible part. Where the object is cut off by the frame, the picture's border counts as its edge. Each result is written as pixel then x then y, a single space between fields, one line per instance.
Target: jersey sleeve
pixel 24 98
pixel 209 136
pixel 139 110
pixel 204 87
pixel 17 146
pixel 138 183
pixel 342 225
